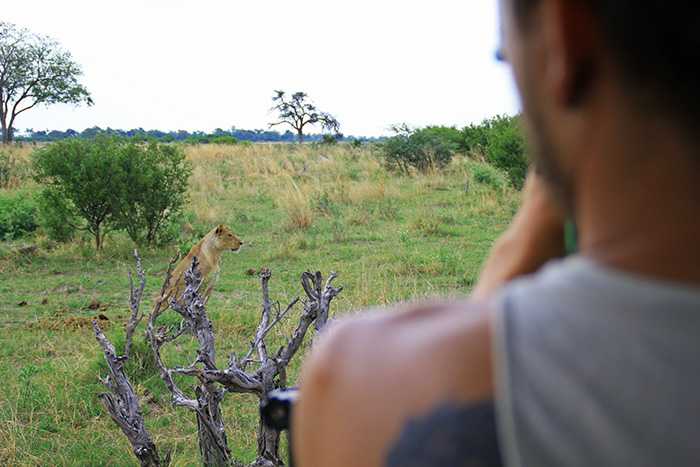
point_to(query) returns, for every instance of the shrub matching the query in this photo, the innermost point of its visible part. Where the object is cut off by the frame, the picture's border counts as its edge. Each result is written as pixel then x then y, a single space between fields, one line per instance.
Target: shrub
pixel 57 216
pixel 224 139
pixel 501 142
pixel 356 143
pixel 330 139
pixel 450 136
pixel 88 176
pixel 475 138
pixel 506 150
pixel 18 215
pixel 488 175
pixel 155 192
pixel 111 183
pixel 421 150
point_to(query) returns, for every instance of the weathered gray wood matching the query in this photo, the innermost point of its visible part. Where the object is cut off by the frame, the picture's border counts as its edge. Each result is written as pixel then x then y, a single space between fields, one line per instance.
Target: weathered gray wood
pixel 121 401
pixel 215 383
pixel 135 295
pixel 213 444
pixel 320 295
pixel 272 371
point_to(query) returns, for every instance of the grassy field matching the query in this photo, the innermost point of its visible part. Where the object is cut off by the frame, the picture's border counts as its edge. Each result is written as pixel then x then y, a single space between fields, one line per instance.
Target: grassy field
pixel 390 238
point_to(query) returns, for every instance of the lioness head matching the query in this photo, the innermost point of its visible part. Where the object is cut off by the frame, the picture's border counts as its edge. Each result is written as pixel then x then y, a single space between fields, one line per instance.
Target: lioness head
pixel 225 239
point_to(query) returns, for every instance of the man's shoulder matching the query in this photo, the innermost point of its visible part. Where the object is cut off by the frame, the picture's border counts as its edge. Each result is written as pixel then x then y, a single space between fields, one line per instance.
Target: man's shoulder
pixel 399 364
pixel 405 335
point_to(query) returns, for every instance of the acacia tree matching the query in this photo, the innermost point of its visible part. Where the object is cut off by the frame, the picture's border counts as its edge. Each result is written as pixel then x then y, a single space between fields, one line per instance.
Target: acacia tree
pixel 34 70
pixel 298 112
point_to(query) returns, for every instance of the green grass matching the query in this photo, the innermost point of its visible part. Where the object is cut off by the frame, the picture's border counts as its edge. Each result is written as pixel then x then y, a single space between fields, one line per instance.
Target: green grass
pixel 390 238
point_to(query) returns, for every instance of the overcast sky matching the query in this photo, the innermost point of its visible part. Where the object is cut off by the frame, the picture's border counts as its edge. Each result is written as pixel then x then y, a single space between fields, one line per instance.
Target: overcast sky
pixel 199 65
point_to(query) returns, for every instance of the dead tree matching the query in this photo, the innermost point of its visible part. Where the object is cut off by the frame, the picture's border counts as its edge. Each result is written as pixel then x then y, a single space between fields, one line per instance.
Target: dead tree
pixel 257 372
pixel 121 401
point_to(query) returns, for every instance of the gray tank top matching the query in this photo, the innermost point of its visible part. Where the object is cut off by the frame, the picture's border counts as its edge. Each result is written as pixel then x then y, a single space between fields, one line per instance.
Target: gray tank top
pixel 596 367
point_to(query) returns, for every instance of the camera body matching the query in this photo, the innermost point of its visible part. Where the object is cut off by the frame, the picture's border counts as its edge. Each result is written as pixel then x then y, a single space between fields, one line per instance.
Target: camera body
pixel 276 412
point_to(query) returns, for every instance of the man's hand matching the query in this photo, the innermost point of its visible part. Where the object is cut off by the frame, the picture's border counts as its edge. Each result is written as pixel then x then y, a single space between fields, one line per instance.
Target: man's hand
pixel 535 236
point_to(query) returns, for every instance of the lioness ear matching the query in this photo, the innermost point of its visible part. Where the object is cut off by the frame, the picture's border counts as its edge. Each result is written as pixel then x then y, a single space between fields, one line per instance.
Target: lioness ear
pixel 219 229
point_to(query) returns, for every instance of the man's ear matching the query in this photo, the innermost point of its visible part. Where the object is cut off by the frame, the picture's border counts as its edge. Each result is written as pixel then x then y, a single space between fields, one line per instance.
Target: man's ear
pixel 219 229
pixel 571 36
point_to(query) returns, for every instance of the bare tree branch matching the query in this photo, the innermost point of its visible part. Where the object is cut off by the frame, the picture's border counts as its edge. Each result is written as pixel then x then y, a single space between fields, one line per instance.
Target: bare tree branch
pixel 135 295
pixel 122 403
pixel 214 383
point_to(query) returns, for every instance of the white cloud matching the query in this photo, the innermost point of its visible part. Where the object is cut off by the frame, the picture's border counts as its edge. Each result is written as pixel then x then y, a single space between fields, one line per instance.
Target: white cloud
pixel 200 65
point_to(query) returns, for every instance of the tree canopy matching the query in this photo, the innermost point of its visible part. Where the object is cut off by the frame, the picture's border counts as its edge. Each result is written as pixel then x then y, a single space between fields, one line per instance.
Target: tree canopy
pixel 297 112
pixel 34 70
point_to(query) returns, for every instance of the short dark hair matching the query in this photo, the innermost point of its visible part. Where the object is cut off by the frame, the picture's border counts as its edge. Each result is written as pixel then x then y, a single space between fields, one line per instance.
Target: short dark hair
pixel 657 44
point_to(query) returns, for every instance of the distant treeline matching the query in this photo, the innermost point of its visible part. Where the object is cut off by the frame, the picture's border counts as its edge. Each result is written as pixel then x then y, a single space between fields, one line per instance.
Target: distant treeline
pixel 217 136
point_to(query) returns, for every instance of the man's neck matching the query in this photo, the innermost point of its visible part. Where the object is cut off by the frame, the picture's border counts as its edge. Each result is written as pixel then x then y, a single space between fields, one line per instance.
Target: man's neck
pixel 637 202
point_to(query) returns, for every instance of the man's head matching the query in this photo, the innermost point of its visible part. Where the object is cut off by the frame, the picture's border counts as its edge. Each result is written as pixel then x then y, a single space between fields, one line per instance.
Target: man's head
pixel 578 62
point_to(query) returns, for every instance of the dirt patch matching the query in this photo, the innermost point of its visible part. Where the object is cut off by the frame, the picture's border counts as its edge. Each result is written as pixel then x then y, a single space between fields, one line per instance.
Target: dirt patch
pixel 96 305
pixel 70 323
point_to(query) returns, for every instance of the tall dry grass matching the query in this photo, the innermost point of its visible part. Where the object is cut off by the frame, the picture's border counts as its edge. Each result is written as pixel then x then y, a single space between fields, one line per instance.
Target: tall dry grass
pixel 15 165
pixel 296 202
pixel 291 175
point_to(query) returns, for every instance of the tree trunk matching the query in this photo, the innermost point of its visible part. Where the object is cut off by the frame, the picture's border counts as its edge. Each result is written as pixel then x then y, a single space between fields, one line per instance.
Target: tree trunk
pixel 10 130
pixel 98 238
pixel 268 444
pixel 213 444
pixel 6 134
pixel 212 454
pixel 300 135
pixel 268 438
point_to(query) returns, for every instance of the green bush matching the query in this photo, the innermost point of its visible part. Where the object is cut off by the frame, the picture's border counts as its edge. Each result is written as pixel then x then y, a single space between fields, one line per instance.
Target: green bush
pixel 421 150
pixel 487 175
pixel 18 215
pixel 356 143
pixel 475 138
pixel 450 136
pixel 506 149
pixel 501 142
pixel 57 216
pixel 224 139
pixel 156 190
pixel 330 139
pixel 88 176
pixel 111 183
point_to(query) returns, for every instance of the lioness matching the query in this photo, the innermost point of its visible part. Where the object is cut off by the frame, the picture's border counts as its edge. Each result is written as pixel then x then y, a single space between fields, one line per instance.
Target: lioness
pixel 208 251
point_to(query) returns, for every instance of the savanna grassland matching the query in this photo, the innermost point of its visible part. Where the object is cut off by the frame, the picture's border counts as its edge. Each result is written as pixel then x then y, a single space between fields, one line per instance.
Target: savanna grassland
pixel 312 207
